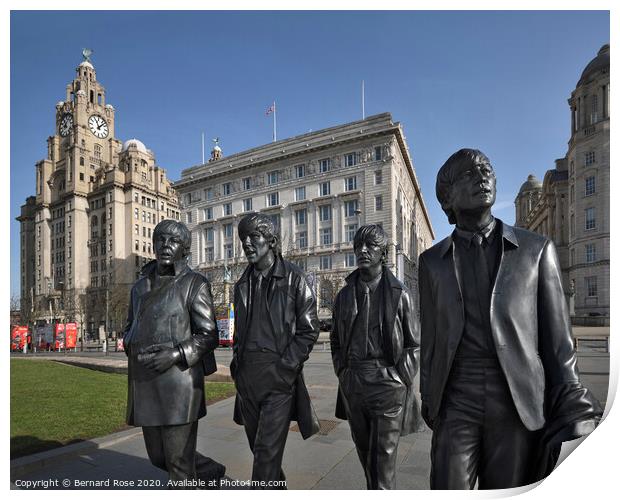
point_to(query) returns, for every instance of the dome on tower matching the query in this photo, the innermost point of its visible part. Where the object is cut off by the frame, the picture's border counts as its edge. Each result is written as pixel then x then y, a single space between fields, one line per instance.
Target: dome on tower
pixel 599 63
pixel 60 104
pixel 80 92
pixel 134 143
pixel 532 184
pixel 86 64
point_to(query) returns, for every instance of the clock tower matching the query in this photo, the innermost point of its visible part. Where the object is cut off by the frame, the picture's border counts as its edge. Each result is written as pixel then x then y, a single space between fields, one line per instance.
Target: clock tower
pixel 87 231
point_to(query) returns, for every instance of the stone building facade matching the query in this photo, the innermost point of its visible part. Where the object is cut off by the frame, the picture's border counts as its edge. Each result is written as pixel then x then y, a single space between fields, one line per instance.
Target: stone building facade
pixel 87 231
pixel 571 206
pixel 319 188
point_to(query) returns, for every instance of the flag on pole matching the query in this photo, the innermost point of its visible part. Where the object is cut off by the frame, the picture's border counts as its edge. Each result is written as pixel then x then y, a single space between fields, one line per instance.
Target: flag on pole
pixel 272 109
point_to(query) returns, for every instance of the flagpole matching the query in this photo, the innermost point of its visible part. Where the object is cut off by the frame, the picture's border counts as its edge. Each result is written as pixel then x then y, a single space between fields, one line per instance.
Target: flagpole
pixel 363 103
pixel 274 122
pixel 203 148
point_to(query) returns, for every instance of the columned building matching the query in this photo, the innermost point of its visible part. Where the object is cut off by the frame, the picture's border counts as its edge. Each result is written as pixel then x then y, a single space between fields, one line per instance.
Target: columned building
pixel 319 188
pixel 87 231
pixel 572 204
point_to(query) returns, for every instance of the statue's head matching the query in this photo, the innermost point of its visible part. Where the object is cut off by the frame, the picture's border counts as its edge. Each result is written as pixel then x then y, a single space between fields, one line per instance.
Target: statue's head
pixel 171 241
pixel 259 237
pixel 465 183
pixel 371 246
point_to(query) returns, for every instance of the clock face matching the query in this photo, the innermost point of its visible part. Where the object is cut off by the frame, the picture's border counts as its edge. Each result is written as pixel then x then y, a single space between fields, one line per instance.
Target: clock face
pixel 65 125
pixel 98 126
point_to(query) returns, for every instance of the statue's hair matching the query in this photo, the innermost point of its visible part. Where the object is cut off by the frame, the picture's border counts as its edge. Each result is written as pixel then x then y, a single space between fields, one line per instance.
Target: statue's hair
pixel 449 172
pixel 174 227
pixel 372 234
pixel 264 225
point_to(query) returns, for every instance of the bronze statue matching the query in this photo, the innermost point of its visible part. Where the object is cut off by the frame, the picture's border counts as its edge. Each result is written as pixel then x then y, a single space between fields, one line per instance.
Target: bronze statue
pixel 169 340
pixel 498 375
pixel 276 327
pixel 375 344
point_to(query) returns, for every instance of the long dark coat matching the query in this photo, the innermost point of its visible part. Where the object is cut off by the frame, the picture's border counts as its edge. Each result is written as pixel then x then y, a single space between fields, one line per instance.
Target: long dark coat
pixel 400 333
pixel 293 319
pixel 178 314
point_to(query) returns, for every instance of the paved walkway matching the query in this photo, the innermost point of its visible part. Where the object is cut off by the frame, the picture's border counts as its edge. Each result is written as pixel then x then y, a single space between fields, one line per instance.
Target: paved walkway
pixel 325 461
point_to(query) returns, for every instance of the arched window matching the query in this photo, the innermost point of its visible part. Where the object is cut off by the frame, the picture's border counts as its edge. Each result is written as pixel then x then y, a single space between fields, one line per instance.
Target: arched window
pixel 98 151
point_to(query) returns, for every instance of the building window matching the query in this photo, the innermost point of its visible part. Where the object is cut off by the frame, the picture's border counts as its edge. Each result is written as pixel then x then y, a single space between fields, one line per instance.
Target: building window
pixel 590 253
pixel 350 159
pixel 273 177
pixel 226 188
pixel 247 205
pixel 324 188
pixel 590 219
pixel 228 230
pixel 209 235
pixel 188 215
pixel 326 262
pixel 590 185
pixel 350 183
pixel 137 246
pixel 227 208
pixel 378 177
pixel 210 255
pixel 228 251
pixel 351 208
pixel 590 158
pixel 378 203
pixel 209 213
pixel 326 236
pixel 594 109
pixel 81 161
pixel 591 286
pixel 273 199
pixel 324 165
pixel 301 217
pixel 300 193
pixel 300 171
pixel 325 212
pixel 302 239
pixel 350 231
pixel 275 219
pixel 349 260
pixel 378 153
pixel 209 193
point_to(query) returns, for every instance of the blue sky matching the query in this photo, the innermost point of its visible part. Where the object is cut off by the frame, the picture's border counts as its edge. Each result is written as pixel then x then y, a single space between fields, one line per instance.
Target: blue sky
pixel 497 81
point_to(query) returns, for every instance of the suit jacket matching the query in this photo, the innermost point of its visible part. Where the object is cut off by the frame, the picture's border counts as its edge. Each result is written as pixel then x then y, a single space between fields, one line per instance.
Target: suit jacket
pixel 178 314
pixel 530 324
pixel 294 322
pixel 400 334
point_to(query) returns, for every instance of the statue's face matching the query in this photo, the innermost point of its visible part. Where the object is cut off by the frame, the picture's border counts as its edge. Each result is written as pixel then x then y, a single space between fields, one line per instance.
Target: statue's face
pixel 168 248
pixel 368 255
pixel 255 246
pixel 474 188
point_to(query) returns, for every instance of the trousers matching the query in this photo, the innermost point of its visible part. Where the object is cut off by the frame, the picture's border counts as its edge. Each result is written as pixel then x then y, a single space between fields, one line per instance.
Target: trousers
pixel 478 434
pixel 173 448
pixel 374 398
pixel 266 415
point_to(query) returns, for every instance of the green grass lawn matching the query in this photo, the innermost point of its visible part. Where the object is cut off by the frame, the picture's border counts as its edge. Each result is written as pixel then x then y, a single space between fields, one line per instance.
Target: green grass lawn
pixel 54 404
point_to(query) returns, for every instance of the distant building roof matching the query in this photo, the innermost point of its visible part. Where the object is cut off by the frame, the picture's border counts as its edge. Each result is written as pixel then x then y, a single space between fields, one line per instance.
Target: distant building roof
pixel 600 62
pixel 531 184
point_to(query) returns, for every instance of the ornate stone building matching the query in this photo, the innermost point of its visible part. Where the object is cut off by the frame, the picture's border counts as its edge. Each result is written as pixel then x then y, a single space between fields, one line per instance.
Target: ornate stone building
pixel 319 188
pixel 87 231
pixel 572 204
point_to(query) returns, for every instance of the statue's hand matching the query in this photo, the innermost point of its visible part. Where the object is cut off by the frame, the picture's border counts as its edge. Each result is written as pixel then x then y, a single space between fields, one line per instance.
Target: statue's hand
pixel 160 359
